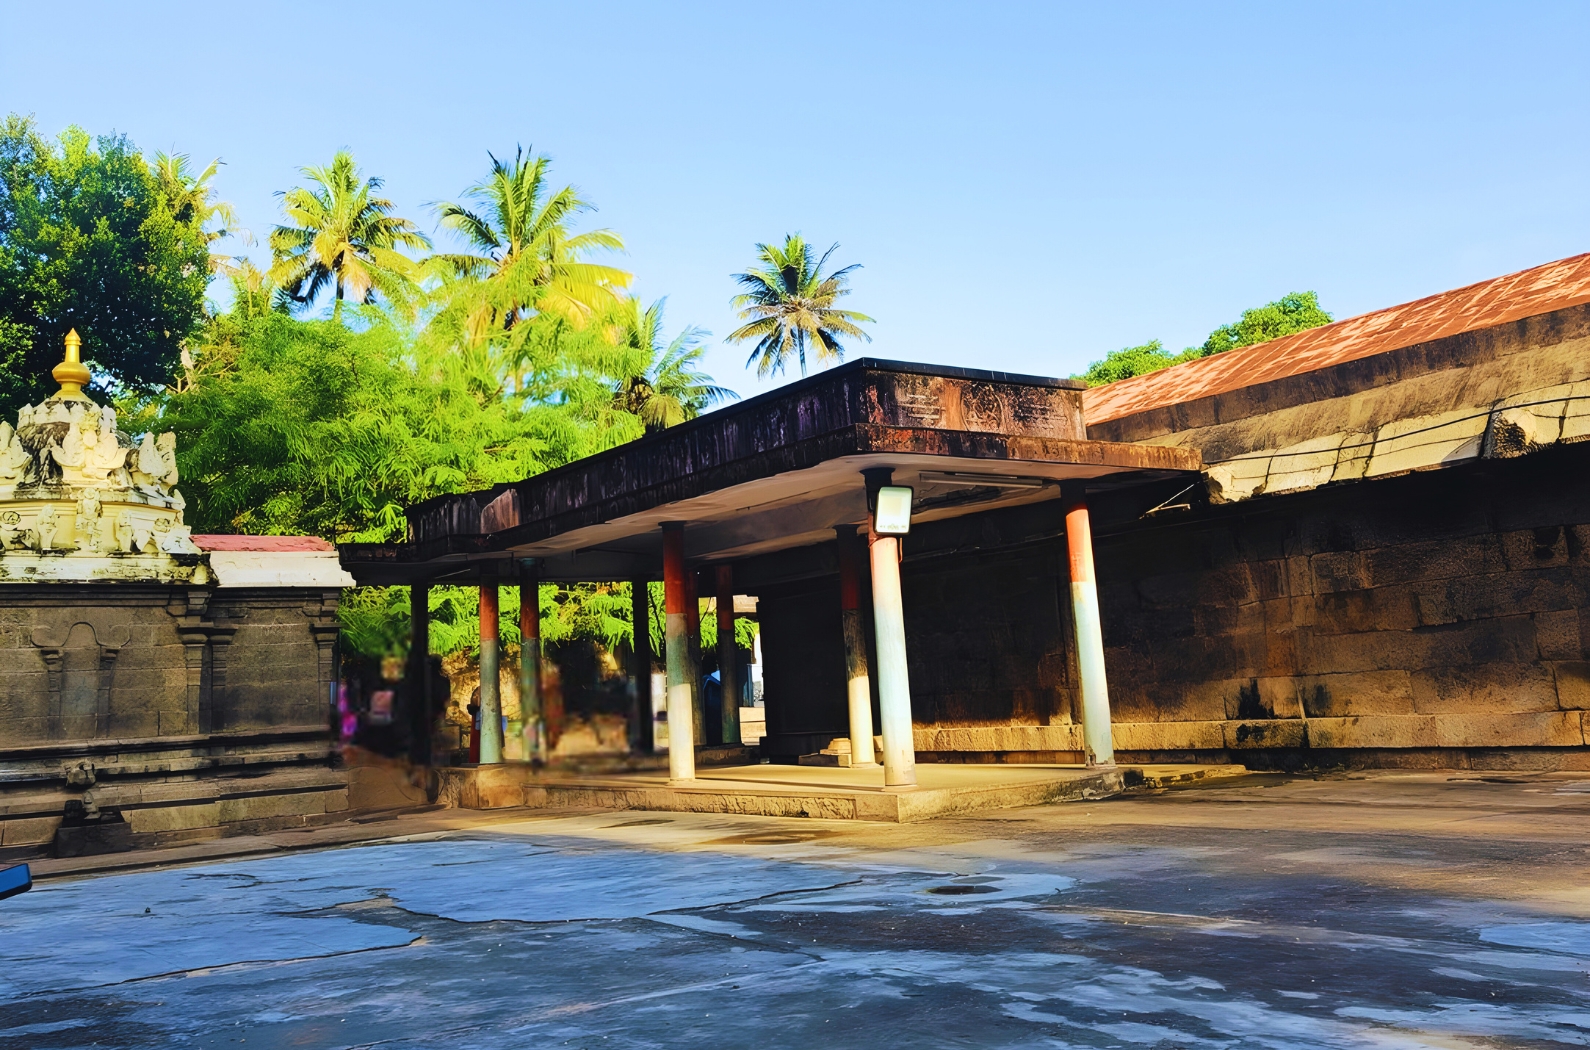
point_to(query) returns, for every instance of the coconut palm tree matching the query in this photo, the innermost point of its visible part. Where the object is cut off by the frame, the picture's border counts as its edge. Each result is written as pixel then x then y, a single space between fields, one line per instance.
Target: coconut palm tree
pixel 341 235
pixel 525 260
pixel 192 200
pixel 788 306
pixel 661 384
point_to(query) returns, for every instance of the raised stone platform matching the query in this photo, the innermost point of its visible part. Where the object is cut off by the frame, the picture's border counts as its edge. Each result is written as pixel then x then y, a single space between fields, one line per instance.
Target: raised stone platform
pixel 808 791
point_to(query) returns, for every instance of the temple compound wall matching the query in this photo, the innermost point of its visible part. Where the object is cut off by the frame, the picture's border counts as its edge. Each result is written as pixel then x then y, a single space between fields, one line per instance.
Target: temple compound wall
pixel 1387 562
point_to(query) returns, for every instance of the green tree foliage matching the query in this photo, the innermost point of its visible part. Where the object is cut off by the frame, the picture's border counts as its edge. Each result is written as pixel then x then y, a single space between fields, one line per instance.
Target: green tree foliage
pixel 1292 313
pixel 788 307
pixel 288 425
pixel 525 259
pixel 89 239
pixel 1128 362
pixel 192 200
pixel 342 236
pixel 1296 312
pixel 375 620
pixel 661 385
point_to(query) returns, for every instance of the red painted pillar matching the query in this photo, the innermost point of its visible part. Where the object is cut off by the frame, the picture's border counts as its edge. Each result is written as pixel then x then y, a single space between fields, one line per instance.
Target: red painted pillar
pixel 490 681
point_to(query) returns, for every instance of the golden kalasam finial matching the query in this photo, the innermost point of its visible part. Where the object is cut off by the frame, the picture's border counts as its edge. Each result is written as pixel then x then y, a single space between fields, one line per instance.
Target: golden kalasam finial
pixel 71 373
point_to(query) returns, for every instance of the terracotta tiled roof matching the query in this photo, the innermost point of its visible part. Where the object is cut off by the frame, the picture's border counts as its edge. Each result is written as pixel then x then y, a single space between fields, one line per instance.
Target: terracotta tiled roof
pixel 262 543
pixel 1542 289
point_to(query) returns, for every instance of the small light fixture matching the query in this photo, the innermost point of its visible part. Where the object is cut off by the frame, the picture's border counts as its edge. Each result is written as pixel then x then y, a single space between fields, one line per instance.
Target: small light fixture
pixel 893 516
pixel 962 477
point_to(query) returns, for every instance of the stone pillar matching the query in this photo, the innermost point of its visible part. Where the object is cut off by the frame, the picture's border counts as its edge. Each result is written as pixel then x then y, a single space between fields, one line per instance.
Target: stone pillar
pixel 490 680
pixel 1096 738
pixel 888 624
pixel 698 702
pixel 681 714
pixel 532 719
pixel 421 717
pixel 215 708
pixel 858 678
pixel 728 657
pixel 326 629
pixel 190 609
pixel 640 735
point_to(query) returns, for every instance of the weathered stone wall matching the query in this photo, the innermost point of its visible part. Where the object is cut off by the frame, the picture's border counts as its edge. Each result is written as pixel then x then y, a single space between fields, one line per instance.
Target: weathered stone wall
pixel 187 708
pixel 1436 618
pixel 1439 610
pixel 126 662
pixel 276 668
pixel 803 666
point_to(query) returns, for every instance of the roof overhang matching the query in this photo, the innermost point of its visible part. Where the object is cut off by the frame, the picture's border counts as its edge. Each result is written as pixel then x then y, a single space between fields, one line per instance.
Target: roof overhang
pixel 777 472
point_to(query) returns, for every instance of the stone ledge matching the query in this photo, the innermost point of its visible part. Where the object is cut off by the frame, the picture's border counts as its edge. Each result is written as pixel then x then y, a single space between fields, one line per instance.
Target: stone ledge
pixel 837 795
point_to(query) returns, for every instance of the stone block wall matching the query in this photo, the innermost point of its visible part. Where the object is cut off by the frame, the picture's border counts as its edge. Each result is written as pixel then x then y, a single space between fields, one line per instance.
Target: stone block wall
pixel 181 706
pixel 1438 618
pixel 803 666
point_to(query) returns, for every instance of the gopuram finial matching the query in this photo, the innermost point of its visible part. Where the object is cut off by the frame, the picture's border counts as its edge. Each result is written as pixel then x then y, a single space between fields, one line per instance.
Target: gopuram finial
pixel 71 373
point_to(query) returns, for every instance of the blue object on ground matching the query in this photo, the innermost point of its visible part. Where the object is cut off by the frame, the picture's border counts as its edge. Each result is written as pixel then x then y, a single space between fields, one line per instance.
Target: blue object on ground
pixel 14 880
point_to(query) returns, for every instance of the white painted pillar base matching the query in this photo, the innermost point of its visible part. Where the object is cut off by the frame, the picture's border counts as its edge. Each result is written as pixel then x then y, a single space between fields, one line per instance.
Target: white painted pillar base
pixel 894 684
pixel 1097 740
pixel 681 706
pixel 677 657
pixel 858 687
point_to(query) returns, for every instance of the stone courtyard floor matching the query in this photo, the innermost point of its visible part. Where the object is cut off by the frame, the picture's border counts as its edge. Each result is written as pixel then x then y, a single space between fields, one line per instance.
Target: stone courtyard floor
pixel 1356 910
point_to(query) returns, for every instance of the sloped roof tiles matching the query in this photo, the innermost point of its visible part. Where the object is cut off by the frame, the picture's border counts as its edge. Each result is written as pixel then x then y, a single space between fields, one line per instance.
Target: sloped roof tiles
pixel 1541 289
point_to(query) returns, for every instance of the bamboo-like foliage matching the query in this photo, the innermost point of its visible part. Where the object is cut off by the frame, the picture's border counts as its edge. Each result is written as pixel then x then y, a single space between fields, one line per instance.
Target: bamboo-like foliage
pixel 788 307
pixel 341 235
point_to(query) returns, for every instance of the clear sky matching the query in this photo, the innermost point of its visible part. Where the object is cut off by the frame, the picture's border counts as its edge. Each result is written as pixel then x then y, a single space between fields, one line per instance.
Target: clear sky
pixel 1026 186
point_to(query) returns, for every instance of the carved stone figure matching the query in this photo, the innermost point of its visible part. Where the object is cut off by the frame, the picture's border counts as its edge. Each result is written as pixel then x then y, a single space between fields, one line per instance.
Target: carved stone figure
pixel 47 525
pixel 178 540
pixel 68 454
pixel 14 459
pixel 88 520
pixel 167 444
pixel 126 535
pixel 11 533
pixel 87 490
pixel 149 466
pixel 102 456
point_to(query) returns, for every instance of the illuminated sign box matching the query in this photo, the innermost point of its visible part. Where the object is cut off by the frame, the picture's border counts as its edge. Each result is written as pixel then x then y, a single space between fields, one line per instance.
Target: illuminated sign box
pixel 893 517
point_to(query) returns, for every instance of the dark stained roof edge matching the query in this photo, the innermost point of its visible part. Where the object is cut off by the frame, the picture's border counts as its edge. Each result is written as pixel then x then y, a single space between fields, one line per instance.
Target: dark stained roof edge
pixel 860 364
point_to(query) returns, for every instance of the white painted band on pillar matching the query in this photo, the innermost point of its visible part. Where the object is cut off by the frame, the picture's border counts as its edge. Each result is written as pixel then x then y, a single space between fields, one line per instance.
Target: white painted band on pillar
pixel 681 714
pixel 861 723
pixel 858 690
pixel 1096 736
pixel 894 683
pixel 490 703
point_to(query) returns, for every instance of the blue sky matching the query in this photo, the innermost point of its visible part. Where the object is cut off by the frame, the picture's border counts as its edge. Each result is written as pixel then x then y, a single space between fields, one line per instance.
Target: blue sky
pixel 1026 186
